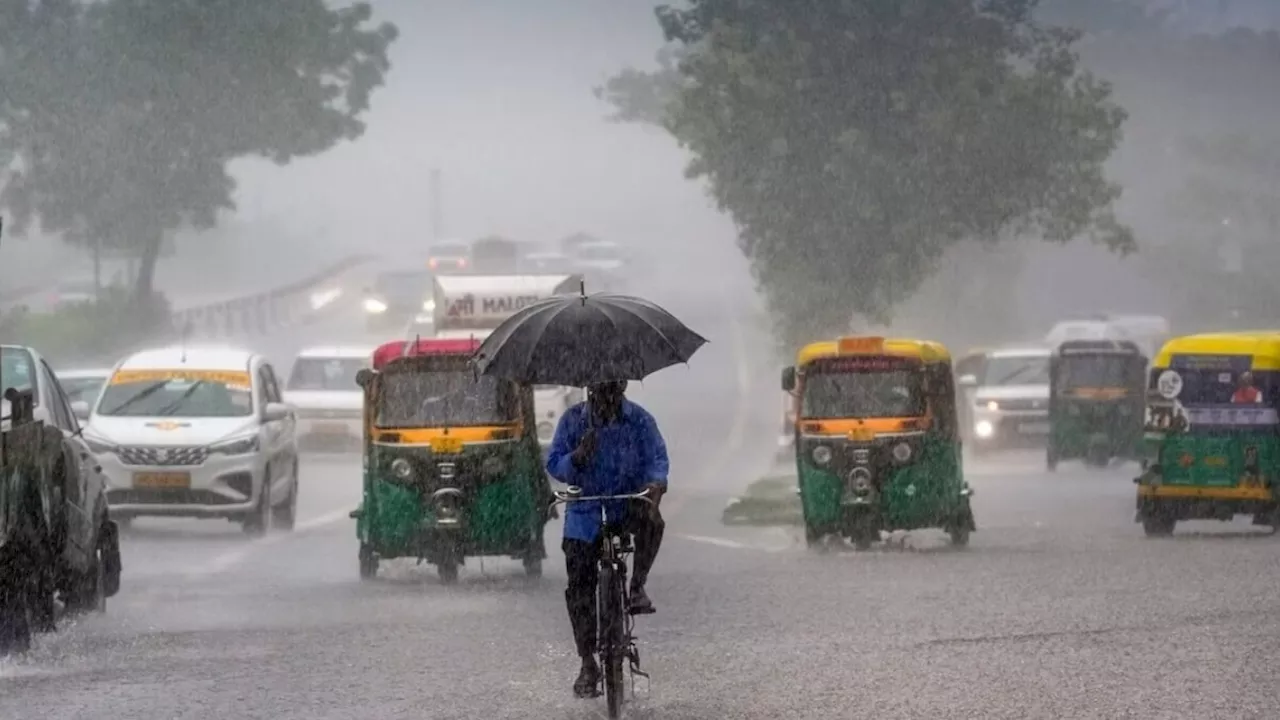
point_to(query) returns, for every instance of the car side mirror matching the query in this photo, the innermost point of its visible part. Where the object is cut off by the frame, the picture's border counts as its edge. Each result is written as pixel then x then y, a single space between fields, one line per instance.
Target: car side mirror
pixel 364 377
pixel 789 378
pixel 276 411
pixel 81 410
pixel 967 381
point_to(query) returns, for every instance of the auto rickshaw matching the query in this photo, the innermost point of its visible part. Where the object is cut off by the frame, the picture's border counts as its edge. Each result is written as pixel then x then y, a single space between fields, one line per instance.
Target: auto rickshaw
pixel 1097 394
pixel 877 445
pixel 452 466
pixel 1213 450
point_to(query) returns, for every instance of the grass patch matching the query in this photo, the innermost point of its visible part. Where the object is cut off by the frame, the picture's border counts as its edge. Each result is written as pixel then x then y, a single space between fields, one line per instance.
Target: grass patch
pixel 769 501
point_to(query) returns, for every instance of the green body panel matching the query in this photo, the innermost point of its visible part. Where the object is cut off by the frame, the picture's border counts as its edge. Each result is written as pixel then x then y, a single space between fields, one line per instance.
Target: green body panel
pixel 924 493
pixel 502 514
pixel 1071 433
pixel 1215 460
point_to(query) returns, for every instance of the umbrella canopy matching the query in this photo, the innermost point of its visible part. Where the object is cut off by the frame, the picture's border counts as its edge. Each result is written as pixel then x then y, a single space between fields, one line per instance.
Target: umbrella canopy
pixel 580 340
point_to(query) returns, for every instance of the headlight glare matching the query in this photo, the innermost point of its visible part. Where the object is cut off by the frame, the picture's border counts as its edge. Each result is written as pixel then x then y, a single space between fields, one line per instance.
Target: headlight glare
pixel 992 405
pixel 401 468
pixel 374 305
pixel 984 429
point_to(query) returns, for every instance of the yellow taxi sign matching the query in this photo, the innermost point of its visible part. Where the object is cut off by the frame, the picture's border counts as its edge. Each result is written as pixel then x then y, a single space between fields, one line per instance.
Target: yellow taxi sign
pixel 860 345
pixel 231 378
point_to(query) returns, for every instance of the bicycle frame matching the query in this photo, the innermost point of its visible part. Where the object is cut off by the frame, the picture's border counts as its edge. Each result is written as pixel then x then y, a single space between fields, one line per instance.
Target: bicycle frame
pixel 614 548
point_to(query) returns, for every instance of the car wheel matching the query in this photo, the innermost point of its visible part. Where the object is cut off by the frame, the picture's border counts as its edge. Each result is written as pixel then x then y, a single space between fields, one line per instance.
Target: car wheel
pixel 284 516
pixel 90 591
pixel 259 519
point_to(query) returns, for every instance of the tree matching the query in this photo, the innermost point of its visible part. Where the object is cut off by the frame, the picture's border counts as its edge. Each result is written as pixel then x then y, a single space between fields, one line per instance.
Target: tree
pixel 854 141
pixel 120 116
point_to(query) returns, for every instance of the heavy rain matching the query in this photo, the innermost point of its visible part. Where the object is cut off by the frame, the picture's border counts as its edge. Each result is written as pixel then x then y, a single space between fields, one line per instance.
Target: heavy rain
pixel 946 395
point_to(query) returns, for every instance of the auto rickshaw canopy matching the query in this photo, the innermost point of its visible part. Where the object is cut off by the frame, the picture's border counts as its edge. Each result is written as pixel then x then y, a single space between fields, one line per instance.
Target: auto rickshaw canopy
pixel 1262 345
pixel 927 351
pixel 399 349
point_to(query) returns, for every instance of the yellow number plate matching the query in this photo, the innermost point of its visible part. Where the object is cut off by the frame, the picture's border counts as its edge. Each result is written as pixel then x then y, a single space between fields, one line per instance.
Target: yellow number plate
pixel 446 445
pixel 162 480
pixel 862 435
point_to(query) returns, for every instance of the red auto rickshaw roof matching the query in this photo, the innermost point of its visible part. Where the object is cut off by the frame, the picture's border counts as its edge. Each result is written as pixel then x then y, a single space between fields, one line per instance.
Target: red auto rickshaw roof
pixel 416 348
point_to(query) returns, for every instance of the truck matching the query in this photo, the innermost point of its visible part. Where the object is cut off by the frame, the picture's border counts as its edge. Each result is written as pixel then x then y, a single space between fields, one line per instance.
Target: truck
pixel 475 305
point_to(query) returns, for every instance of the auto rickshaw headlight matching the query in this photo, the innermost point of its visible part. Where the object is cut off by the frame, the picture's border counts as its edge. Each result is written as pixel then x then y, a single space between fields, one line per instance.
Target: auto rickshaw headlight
pixel 401 468
pixel 493 466
pixel 546 430
pixel 902 452
pixel 822 454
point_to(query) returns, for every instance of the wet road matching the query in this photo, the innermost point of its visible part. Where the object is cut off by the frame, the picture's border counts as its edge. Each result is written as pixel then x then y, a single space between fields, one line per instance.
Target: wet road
pixel 1060 608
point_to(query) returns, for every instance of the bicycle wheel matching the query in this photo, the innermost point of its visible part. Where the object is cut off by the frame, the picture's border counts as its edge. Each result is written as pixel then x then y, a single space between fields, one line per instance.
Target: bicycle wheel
pixel 612 636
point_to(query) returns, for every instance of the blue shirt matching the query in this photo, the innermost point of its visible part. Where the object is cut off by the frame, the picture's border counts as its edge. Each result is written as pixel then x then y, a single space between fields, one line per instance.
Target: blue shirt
pixel 630 453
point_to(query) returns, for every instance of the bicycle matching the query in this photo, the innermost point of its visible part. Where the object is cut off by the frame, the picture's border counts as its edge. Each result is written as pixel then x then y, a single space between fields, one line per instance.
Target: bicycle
pixel 614 621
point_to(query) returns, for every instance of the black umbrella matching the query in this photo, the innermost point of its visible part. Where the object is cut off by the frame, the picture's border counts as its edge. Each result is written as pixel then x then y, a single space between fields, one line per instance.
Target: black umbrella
pixel 580 340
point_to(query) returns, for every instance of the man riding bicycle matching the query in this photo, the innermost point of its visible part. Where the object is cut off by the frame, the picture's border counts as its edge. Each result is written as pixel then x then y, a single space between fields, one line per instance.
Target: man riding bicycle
pixel 607 446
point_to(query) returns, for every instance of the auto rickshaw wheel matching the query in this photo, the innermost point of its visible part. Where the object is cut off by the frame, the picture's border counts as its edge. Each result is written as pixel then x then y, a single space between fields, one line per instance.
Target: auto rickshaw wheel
pixel 368 562
pixel 1051 459
pixel 812 538
pixel 533 567
pixel 447 569
pixel 1158 525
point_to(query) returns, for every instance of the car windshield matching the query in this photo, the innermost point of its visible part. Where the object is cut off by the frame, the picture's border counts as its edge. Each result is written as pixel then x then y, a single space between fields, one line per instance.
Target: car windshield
pixel 1017 370
pixel 440 398
pixel 448 250
pixel 1095 371
pixel 16 369
pixel 319 373
pixel 170 393
pixel 82 388
pixel 831 391
pixel 403 284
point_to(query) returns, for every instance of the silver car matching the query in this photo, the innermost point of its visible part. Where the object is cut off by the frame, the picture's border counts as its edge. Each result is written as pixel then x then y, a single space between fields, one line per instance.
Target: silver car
pixel 1009 399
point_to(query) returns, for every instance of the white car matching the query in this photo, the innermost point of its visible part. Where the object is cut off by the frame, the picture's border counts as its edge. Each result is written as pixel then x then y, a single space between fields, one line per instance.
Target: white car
pixel 186 432
pixel 322 390
pixel 1010 405
pixel 83 385
pixel 549 403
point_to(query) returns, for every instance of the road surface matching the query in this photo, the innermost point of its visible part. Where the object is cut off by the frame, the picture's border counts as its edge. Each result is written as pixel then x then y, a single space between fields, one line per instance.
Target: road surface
pixel 1060 608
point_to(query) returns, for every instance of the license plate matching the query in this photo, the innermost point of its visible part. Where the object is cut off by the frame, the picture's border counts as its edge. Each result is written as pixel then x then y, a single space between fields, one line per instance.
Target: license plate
pixel 162 480
pixel 1034 428
pixel 329 428
pixel 446 445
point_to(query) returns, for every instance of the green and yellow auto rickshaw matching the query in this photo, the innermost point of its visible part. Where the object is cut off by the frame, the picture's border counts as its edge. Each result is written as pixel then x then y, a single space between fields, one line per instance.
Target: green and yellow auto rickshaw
pixel 877 444
pixel 1212 434
pixel 452 466
pixel 1097 394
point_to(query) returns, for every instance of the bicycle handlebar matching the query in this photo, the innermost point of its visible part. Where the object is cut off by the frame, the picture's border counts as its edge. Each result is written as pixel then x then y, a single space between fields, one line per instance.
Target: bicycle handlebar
pixel 574 494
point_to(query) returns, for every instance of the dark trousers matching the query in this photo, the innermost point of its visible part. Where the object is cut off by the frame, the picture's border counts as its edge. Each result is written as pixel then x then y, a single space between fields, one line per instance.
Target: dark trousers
pixel 582 560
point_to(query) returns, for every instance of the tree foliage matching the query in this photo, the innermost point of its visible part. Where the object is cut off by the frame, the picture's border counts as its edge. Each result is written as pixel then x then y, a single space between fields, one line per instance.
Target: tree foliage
pixel 854 141
pixel 119 117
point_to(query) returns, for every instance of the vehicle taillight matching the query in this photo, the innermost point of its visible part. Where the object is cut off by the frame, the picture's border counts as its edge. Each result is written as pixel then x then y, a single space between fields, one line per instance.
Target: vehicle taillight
pixel 462 262
pixel 432 263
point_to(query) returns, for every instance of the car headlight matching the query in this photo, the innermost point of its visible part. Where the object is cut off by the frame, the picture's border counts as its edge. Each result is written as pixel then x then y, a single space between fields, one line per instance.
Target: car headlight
pixel 546 430
pixel 984 429
pixel 429 306
pixel 401 468
pixel 493 466
pixel 374 306
pixel 822 454
pixel 902 452
pixel 992 405
pixel 239 446
pixel 98 446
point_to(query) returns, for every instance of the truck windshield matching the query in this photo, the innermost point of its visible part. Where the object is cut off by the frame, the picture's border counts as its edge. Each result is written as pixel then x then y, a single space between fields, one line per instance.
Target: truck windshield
pixel 1095 371
pixel 441 398
pixel 862 394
